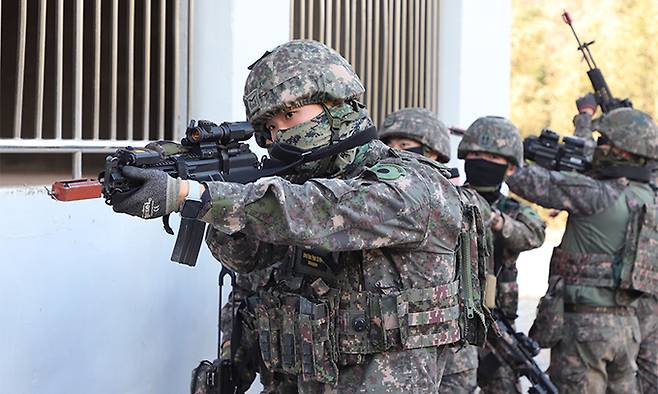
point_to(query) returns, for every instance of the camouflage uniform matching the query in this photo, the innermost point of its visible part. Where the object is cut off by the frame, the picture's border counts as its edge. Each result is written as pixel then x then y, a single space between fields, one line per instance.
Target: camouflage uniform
pixel 601 334
pixel 386 222
pixel 522 230
pixel 423 126
pixel 460 375
pixel 647 308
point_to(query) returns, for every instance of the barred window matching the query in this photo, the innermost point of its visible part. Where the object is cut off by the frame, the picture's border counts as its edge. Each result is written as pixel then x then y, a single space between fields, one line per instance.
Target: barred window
pixel 392 45
pixel 79 78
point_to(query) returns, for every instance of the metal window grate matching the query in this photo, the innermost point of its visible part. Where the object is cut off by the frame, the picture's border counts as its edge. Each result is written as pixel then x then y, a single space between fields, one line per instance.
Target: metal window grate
pixel 84 76
pixel 392 45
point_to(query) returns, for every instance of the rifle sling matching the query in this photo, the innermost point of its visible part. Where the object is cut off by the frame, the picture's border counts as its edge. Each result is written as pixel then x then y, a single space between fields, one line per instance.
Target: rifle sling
pixel 285 156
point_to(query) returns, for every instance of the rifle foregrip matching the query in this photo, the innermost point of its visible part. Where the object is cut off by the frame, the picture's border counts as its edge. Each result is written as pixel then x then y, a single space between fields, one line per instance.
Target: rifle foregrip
pixel 601 89
pixel 188 241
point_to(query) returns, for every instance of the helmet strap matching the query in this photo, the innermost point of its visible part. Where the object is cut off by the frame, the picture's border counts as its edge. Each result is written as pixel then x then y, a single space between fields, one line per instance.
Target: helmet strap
pixel 335 129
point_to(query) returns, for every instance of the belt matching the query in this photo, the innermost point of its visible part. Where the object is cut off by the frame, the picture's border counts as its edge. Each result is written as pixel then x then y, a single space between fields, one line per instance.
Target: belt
pixel 614 310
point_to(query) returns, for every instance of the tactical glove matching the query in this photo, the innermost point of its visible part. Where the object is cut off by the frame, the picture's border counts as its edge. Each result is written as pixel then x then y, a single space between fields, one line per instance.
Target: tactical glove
pixel 157 196
pixel 586 102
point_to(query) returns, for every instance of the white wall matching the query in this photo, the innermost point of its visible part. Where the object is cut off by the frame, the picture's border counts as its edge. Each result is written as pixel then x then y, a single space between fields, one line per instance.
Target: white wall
pixel 474 62
pixel 89 301
pixel 474 56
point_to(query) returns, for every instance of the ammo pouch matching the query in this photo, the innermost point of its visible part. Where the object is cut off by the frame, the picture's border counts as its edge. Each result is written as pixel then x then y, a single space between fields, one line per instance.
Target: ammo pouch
pixel 584 269
pixel 547 329
pixel 473 256
pixel 639 261
pixel 297 336
pixel 311 338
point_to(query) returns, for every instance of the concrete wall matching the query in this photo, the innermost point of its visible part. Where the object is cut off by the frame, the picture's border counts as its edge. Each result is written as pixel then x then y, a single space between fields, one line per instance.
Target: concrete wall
pixel 89 300
pixel 475 62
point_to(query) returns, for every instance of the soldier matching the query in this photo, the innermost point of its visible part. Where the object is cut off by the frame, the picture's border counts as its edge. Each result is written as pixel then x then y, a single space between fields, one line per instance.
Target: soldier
pixel 647 307
pixel 365 235
pixel 419 130
pixel 594 343
pixel 492 150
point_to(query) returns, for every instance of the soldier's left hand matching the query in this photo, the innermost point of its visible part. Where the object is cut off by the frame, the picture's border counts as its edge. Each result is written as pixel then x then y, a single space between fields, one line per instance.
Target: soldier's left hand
pixel 587 104
pixel 497 221
pixel 157 196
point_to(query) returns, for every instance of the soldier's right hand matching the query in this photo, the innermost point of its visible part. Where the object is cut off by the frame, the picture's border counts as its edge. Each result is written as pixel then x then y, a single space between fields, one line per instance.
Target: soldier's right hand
pixel 586 104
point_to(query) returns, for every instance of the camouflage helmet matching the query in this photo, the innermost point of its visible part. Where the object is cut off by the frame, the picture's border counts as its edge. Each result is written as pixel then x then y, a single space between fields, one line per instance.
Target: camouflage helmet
pixel 493 134
pixel 421 125
pixel 631 130
pixel 294 74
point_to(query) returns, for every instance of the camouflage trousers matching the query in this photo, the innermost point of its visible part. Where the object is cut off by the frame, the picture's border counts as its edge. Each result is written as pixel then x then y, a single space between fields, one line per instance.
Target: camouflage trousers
pixel 596 354
pixel 460 375
pixel 647 359
pixel 407 371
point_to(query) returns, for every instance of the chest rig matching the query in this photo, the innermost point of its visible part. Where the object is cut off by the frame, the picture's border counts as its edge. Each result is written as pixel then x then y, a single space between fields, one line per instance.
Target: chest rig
pixel 320 319
pixel 634 268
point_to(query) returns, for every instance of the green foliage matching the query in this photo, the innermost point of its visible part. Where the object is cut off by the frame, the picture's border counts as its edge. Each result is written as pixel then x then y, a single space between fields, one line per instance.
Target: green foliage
pixel 548 73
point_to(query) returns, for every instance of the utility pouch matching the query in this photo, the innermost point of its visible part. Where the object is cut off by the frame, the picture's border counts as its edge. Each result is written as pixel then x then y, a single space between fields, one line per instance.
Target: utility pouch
pixel 639 260
pixel 547 329
pixel 297 337
pixel 472 258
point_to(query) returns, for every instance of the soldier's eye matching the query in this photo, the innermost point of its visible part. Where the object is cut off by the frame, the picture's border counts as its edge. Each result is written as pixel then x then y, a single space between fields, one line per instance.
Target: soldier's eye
pixel 290 114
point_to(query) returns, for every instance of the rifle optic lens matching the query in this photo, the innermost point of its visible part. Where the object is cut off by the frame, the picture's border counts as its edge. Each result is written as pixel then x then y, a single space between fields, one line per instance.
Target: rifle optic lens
pixel 195 135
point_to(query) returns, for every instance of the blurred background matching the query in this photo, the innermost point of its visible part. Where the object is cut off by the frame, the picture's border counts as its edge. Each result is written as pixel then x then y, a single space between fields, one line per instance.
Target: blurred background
pixel 89 300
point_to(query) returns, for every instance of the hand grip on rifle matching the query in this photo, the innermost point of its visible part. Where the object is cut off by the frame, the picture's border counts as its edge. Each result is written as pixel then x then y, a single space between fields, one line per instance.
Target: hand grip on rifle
pixel 586 103
pixel 208 152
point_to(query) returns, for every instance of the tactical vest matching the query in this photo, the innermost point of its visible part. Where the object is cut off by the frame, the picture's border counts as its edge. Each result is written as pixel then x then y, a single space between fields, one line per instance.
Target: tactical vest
pixel 634 266
pixel 313 332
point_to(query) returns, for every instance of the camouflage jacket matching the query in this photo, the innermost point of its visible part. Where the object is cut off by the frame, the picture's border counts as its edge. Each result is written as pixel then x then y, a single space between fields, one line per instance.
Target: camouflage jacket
pixel 583 129
pixel 522 230
pixel 390 201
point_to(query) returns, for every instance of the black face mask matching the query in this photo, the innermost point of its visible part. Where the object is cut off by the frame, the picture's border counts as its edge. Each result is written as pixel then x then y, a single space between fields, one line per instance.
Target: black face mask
pixel 485 176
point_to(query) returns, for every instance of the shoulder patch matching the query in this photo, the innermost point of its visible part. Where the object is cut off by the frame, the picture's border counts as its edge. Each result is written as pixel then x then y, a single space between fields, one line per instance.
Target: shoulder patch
pixel 388 171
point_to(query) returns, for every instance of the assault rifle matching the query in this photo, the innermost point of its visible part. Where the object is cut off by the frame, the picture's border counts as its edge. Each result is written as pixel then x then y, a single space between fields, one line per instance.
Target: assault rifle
pixel 602 93
pixel 547 151
pixel 208 152
pixel 518 351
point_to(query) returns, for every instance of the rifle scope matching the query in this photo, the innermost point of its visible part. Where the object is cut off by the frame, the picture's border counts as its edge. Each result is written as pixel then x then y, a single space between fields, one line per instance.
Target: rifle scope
pixel 224 133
